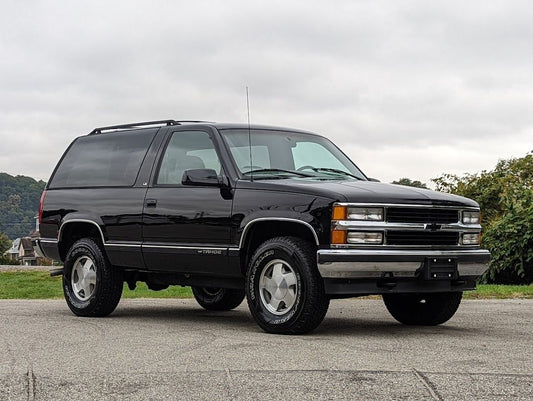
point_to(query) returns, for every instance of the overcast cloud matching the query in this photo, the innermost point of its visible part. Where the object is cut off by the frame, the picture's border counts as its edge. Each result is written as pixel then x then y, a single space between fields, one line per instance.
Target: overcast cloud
pixel 406 88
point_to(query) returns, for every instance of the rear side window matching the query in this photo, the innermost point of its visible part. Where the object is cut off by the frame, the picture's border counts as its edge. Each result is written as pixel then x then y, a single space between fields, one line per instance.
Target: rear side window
pixel 103 160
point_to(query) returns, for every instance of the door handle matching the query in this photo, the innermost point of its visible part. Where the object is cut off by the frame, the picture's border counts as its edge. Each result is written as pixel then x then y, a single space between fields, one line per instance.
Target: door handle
pixel 151 202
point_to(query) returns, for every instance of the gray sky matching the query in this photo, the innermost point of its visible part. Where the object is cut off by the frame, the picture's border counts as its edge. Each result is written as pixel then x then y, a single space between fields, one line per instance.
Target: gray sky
pixel 406 88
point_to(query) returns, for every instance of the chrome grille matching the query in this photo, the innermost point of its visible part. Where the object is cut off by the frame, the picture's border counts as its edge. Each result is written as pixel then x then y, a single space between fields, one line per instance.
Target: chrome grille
pixel 408 226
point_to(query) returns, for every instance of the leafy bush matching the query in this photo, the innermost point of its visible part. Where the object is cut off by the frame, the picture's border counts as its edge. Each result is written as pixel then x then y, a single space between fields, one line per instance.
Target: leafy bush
pixel 505 196
pixel 510 239
pixel 8 261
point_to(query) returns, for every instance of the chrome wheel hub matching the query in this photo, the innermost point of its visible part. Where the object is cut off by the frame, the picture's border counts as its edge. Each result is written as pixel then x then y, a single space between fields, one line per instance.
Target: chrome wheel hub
pixel 83 278
pixel 278 287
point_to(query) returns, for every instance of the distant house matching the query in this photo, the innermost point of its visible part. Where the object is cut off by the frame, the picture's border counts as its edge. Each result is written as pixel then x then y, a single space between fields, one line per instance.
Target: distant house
pixel 13 252
pixel 26 251
pixel 26 254
pixel 34 236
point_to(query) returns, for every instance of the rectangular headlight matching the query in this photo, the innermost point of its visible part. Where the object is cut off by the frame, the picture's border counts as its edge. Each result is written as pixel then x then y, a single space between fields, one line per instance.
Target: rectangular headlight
pixel 365 213
pixel 470 239
pixel 470 217
pixel 359 237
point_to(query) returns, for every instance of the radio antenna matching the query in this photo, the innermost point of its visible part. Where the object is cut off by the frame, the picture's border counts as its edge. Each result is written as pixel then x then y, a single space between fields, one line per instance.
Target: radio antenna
pixel 249 135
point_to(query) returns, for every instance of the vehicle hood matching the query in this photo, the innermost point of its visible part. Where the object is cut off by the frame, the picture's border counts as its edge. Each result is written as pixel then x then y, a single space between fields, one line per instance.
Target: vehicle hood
pixel 362 191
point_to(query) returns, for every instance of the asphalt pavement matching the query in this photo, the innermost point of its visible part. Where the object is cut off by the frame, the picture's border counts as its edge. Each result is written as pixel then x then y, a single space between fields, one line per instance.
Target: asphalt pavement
pixel 172 349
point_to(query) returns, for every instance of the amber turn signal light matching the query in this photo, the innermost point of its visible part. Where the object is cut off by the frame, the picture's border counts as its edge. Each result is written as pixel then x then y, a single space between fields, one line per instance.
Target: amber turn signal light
pixel 339 212
pixel 338 237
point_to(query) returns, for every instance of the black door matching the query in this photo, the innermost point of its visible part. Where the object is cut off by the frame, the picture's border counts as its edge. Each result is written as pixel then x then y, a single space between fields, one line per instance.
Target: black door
pixel 186 229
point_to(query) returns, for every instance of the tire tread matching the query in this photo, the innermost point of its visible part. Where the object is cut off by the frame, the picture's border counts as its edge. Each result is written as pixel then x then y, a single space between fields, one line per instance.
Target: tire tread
pixel 316 303
pixel 109 286
pixel 438 308
pixel 229 300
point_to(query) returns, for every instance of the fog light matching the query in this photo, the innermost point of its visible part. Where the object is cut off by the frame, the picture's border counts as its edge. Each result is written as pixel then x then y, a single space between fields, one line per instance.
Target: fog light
pixel 471 239
pixel 470 217
pixel 365 213
pixel 358 237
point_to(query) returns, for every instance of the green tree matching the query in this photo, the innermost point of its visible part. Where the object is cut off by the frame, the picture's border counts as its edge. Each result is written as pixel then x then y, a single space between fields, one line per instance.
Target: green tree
pixel 5 243
pixel 410 183
pixel 505 196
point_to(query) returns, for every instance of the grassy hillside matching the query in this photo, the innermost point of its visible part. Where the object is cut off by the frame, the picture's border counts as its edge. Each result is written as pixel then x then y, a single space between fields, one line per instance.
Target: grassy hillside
pixel 19 204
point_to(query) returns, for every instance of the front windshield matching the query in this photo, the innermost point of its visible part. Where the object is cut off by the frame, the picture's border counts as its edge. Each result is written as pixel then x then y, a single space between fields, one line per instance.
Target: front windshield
pixel 284 154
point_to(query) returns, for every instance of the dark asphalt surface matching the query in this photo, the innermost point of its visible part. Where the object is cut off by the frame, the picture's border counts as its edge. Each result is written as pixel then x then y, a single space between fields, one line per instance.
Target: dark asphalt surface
pixel 172 349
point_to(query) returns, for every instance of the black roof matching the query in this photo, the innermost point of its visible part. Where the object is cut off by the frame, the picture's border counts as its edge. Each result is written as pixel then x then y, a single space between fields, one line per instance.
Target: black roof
pixel 220 126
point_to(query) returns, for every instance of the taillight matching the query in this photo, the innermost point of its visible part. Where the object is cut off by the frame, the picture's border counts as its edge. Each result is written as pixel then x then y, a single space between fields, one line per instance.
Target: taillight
pixel 41 204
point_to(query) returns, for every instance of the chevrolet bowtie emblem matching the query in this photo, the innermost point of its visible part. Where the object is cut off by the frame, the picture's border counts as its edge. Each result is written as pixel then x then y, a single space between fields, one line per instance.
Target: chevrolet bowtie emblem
pixel 432 227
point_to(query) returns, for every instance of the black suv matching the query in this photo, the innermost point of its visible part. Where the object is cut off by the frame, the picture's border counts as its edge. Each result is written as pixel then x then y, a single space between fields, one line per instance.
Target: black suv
pixel 278 215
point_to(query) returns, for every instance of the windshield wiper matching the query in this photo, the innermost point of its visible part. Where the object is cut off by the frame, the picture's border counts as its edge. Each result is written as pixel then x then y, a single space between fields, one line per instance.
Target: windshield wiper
pixel 336 171
pixel 279 170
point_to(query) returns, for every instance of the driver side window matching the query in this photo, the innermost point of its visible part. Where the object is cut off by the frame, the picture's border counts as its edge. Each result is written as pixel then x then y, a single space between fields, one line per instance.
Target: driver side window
pixel 187 150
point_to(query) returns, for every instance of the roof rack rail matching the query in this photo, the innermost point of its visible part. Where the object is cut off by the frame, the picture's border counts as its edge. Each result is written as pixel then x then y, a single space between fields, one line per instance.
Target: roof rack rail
pixel 100 130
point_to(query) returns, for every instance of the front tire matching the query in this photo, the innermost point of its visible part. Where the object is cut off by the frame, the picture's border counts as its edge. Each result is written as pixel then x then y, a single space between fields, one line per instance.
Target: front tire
pixel 284 289
pixel 219 299
pixel 428 309
pixel 92 287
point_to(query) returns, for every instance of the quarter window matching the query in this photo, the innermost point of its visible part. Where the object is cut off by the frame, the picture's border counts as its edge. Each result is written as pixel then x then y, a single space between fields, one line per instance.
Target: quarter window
pixel 102 160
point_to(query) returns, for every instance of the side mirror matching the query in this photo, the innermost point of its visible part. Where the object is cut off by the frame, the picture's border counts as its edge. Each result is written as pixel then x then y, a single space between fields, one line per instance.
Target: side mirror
pixel 373 179
pixel 201 177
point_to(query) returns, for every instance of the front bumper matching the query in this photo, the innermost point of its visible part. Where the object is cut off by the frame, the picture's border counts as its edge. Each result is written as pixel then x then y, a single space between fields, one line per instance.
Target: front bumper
pixel 391 263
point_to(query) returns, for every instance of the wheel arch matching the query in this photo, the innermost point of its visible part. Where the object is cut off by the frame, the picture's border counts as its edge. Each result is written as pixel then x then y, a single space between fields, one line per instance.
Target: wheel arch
pixel 74 229
pixel 261 229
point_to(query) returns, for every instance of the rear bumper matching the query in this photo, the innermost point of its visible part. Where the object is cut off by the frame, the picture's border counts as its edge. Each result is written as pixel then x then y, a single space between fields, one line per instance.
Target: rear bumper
pixel 48 247
pixel 391 263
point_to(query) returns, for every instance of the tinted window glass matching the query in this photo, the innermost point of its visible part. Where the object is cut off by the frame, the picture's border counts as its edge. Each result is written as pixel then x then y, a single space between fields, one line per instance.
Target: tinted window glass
pixel 288 151
pixel 101 160
pixel 315 155
pixel 260 157
pixel 187 150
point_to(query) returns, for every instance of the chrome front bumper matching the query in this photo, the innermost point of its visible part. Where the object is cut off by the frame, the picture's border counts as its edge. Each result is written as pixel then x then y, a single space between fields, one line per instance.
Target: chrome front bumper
pixel 365 263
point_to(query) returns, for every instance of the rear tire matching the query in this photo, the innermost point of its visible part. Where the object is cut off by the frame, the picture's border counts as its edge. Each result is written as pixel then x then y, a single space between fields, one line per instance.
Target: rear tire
pixel 429 309
pixel 284 289
pixel 92 287
pixel 218 298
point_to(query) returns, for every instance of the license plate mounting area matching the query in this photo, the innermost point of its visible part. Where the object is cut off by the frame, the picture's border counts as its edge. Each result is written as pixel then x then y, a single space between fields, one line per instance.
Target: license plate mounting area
pixel 441 269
